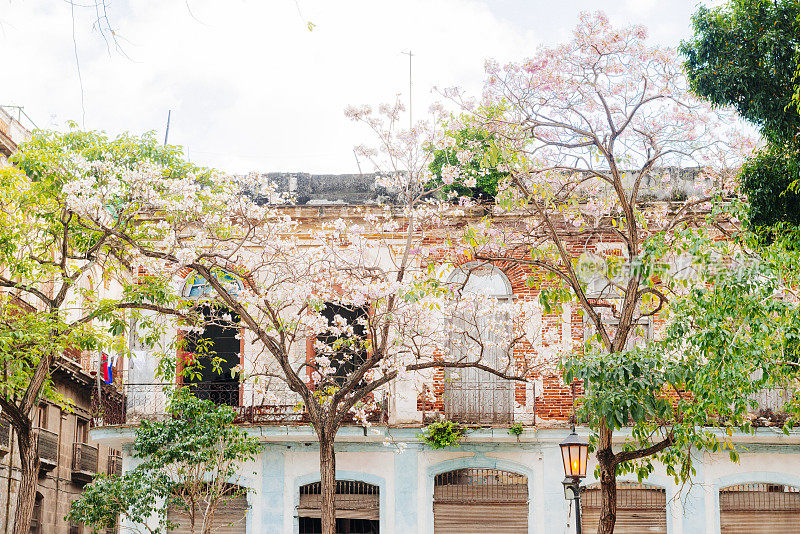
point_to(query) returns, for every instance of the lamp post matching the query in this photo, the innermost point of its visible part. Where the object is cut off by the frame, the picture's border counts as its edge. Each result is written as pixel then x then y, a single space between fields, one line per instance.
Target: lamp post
pixel 574 452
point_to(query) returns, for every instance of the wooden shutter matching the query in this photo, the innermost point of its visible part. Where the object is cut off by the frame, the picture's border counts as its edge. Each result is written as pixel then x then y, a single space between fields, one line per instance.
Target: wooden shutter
pixel 467 501
pixel 353 500
pixel 641 509
pixel 759 508
pixel 228 519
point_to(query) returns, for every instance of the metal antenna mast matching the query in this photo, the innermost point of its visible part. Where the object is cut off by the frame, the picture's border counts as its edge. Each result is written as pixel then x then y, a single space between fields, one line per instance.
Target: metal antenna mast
pixel 166 135
pixel 410 118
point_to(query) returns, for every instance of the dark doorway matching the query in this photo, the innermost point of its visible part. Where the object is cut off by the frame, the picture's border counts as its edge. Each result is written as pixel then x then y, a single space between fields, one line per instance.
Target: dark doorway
pixel 216 352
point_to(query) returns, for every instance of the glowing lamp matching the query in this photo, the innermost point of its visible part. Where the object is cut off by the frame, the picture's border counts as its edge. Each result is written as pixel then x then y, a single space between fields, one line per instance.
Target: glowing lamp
pixel 574 452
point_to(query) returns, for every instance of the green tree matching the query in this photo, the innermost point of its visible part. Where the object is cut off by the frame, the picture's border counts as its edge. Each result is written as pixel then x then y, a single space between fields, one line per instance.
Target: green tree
pixel 473 153
pixel 48 254
pixel 746 54
pixel 732 333
pixel 190 460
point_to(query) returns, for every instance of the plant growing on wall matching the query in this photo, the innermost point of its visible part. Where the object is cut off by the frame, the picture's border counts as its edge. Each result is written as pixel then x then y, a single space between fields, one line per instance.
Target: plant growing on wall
pixel 442 434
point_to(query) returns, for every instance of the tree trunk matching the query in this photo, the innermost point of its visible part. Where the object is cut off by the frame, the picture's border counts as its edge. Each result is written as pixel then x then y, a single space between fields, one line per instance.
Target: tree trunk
pixel 327 470
pixel 608 482
pixel 26 496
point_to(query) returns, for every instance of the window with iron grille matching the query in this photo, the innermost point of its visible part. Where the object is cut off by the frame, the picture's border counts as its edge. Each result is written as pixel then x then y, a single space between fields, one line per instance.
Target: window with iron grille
pixel 479 333
pixel 640 508
pixel 479 500
pixel 758 507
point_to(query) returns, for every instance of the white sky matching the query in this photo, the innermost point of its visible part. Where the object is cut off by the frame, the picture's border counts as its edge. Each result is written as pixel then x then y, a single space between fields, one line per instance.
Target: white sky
pixel 251 89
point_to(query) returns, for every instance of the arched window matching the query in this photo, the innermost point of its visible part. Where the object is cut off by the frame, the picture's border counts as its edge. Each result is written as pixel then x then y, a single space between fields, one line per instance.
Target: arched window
pixel 759 507
pixel 640 508
pixel 478 334
pixel 481 279
pixel 477 500
pixel 357 507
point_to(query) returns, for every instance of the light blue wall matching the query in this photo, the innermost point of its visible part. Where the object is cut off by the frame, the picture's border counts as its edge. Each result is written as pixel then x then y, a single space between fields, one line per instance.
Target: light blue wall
pixel 406 485
pixel 271 494
pixel 406 476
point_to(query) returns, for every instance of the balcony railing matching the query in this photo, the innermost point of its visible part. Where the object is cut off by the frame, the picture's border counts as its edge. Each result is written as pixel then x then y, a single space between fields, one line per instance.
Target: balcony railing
pixel 252 404
pixel 48 448
pixel 472 402
pixel 114 467
pixel 84 461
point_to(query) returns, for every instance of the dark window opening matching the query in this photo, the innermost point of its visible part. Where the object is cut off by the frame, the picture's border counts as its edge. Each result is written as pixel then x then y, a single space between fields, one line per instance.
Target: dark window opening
pixel 348 353
pixel 81 431
pixel 36 519
pixel 313 525
pixel 212 356
pixel 357 508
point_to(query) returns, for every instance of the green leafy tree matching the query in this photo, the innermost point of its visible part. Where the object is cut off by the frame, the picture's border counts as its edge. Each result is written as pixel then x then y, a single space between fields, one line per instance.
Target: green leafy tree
pixel 746 54
pixel 190 461
pixel 472 154
pixel 734 332
pixel 48 255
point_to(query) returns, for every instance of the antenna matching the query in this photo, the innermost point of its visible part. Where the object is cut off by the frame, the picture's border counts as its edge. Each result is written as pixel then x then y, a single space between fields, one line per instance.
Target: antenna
pixel 166 135
pixel 410 115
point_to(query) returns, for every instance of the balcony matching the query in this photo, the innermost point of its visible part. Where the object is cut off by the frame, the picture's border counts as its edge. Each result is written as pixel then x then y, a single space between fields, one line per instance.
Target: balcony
pixel 114 467
pixel 252 403
pixel 84 462
pixel 47 445
pixel 471 402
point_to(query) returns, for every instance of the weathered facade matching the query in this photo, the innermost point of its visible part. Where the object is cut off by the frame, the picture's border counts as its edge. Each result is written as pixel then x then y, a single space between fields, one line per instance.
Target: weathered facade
pixel 391 482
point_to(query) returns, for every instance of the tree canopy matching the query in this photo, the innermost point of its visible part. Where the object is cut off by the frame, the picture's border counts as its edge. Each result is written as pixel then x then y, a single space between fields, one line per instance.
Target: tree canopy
pixel 746 54
pixel 191 461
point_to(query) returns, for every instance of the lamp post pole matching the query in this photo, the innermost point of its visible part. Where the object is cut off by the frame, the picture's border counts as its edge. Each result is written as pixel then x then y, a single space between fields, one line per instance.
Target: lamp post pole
pixel 577 505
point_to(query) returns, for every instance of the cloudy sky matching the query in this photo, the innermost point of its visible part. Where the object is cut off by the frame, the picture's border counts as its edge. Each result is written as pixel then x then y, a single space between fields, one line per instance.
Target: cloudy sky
pixel 251 88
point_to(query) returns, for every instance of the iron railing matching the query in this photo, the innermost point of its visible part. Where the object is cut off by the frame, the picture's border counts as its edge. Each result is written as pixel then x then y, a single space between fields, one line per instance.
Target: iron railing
pixel 252 404
pixel 480 485
pixel 47 445
pixel 629 495
pixel 760 496
pixel 84 458
pixel 477 402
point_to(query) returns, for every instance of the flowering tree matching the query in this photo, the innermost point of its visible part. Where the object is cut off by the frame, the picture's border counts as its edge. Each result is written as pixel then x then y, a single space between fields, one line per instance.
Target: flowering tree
pixel 356 290
pixel 64 286
pixel 594 134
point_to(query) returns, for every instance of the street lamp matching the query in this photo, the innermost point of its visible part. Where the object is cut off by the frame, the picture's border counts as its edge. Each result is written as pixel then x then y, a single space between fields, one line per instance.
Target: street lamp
pixel 574 452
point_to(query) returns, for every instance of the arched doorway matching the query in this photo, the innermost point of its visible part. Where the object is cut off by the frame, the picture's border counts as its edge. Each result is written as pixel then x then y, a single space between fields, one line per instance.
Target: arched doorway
pixel 357 508
pixel 759 507
pixel 478 500
pixel 641 509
